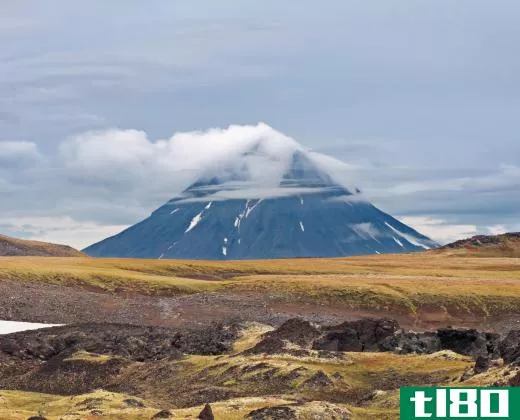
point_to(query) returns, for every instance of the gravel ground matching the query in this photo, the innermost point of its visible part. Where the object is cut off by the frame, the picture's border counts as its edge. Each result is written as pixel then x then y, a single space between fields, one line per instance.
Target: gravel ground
pixel 53 304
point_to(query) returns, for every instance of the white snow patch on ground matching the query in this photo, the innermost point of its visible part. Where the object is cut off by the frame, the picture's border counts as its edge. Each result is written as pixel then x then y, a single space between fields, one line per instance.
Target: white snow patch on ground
pixel 301 201
pixel 8 327
pixel 174 211
pixel 239 241
pixel 225 240
pixel 161 256
pixel 377 252
pixel 208 206
pixel 409 238
pixel 302 227
pixel 195 221
pixel 224 250
pixel 398 242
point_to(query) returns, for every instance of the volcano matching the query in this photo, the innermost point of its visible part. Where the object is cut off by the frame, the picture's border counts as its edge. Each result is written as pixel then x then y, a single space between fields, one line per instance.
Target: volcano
pixel 263 205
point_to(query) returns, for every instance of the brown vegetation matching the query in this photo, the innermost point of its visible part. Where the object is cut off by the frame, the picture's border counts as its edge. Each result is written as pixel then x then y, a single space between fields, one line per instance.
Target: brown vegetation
pixel 21 247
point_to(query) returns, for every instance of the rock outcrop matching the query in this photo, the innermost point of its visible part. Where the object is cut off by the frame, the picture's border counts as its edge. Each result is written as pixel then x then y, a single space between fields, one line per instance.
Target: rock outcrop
pixel 363 335
pixel 131 342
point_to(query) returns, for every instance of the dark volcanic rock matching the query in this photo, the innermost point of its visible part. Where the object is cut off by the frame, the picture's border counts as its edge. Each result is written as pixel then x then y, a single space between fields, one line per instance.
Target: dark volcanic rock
pixel 363 335
pixel 269 345
pixel 164 414
pixel 509 347
pixel 37 418
pixel 468 342
pixel 295 330
pixel 131 342
pixel 318 380
pixel 132 402
pixel 482 364
pixel 463 341
pixel 347 339
pixel 411 342
pixel 206 413
pixel 273 413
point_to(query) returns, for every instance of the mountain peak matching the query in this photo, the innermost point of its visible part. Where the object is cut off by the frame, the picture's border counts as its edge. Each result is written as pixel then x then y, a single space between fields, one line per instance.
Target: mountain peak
pixel 303 172
pixel 264 165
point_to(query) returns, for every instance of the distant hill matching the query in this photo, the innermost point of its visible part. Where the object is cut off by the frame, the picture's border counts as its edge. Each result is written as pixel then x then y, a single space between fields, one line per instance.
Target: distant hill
pixel 505 245
pixel 11 247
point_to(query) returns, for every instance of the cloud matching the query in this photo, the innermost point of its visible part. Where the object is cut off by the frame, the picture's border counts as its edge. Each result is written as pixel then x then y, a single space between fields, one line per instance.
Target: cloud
pixel 366 230
pixel 497 229
pixel 129 157
pixel 13 153
pixel 438 229
pixel 251 193
pixel 61 230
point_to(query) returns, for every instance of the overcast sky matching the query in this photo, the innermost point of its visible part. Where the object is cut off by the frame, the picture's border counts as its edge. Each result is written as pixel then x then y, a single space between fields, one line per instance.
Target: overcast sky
pixel 420 97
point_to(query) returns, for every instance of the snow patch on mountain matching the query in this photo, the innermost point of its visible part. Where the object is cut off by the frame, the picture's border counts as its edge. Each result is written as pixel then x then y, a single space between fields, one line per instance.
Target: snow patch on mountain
pixel 194 222
pixel 409 238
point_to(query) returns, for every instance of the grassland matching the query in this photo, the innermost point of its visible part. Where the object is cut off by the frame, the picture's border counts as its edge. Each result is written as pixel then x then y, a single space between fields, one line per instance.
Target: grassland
pixel 425 285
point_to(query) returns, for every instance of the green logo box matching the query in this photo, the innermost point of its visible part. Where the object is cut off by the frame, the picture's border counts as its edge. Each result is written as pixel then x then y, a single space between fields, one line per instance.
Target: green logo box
pixel 459 403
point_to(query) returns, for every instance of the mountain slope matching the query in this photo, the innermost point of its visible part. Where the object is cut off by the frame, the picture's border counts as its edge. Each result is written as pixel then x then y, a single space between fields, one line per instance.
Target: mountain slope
pixel 20 247
pixel 226 215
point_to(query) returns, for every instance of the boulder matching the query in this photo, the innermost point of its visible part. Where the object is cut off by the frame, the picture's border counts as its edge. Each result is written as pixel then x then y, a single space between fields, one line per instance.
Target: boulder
pixel 509 347
pixel 411 342
pixel 318 380
pixel 164 414
pixel 132 402
pixel 206 413
pixel 482 364
pixel 362 335
pixel 273 413
pixel 295 331
pixel 469 342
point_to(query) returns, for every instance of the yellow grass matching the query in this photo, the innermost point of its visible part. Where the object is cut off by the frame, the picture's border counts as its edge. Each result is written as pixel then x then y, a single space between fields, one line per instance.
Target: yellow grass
pixel 20 405
pixel 89 357
pixel 406 282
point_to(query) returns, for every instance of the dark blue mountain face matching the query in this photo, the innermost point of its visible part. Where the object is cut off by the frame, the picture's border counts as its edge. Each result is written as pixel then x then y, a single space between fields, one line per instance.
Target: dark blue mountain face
pixel 317 218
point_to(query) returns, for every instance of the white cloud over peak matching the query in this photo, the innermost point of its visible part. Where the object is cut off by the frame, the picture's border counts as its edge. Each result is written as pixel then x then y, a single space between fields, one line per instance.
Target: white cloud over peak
pixel 132 155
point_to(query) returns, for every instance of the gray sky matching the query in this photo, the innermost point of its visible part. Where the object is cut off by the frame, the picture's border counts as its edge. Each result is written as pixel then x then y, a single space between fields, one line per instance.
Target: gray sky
pixel 420 97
